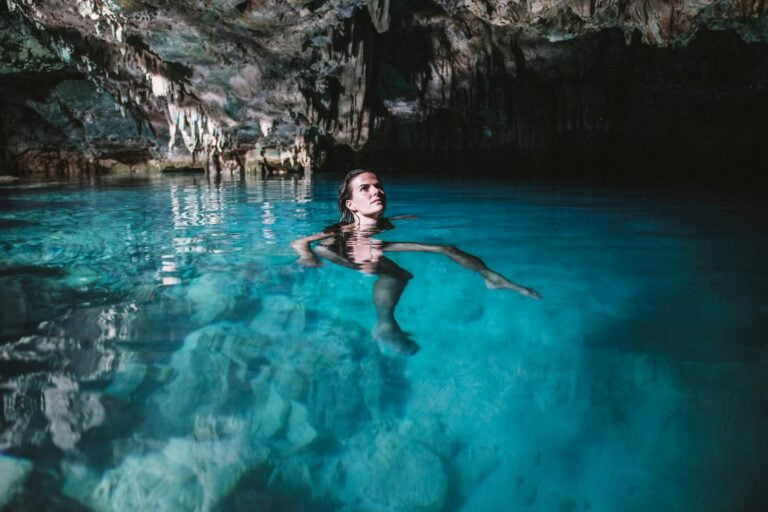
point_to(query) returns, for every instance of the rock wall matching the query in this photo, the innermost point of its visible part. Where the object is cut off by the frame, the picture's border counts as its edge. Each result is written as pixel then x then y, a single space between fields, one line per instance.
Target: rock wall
pixel 592 104
pixel 203 83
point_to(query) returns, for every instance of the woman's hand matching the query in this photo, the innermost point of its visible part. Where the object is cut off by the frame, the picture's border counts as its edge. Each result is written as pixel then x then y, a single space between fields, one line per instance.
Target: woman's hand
pixel 307 258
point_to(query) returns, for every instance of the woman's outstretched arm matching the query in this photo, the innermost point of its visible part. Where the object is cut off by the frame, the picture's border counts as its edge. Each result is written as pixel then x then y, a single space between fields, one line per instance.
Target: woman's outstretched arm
pixel 306 256
pixel 466 260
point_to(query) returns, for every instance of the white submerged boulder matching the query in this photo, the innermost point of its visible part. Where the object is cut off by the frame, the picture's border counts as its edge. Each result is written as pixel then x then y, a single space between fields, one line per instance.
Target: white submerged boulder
pixel 188 474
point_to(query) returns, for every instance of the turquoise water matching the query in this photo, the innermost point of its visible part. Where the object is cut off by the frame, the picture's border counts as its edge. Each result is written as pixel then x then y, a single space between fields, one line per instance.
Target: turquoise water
pixel 160 349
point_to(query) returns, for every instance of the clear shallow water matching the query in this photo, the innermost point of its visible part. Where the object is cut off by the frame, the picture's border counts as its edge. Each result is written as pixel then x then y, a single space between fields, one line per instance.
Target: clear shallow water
pixel 162 351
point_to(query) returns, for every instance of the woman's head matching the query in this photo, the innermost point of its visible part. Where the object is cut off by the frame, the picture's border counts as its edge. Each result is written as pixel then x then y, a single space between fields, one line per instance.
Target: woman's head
pixel 361 198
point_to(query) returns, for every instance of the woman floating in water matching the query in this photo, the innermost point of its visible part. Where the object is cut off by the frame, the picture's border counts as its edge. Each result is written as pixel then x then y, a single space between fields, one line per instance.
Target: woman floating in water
pixel 350 243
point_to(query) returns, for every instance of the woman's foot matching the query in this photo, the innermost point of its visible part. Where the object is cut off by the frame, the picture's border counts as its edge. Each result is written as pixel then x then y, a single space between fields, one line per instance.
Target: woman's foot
pixel 496 281
pixel 393 340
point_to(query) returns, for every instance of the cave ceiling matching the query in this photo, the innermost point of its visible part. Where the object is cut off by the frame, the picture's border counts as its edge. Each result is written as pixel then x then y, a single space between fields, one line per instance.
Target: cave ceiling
pixel 131 80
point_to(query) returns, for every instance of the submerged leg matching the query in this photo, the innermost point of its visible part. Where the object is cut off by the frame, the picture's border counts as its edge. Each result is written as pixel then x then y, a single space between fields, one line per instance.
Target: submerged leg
pixel 390 283
pixel 493 280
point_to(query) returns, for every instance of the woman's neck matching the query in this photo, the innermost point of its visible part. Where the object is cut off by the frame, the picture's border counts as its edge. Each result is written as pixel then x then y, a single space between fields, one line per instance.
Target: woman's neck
pixel 366 222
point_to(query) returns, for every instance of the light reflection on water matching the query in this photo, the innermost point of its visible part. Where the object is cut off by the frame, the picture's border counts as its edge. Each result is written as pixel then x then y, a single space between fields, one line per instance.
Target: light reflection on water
pixel 161 350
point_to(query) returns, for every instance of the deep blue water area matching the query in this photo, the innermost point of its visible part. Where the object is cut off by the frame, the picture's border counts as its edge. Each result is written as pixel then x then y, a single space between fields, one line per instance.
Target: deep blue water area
pixel 161 349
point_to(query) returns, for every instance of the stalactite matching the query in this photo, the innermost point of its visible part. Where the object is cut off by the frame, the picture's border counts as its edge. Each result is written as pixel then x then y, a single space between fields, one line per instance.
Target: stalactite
pixel 459 83
pixel 344 113
pixel 379 12
pixel 150 76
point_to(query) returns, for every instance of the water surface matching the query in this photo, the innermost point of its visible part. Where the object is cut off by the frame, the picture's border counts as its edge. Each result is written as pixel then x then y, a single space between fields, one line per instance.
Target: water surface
pixel 161 350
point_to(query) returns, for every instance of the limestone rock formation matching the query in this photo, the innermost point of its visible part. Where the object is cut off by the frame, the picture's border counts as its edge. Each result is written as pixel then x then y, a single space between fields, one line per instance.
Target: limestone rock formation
pixel 198 83
pixel 292 415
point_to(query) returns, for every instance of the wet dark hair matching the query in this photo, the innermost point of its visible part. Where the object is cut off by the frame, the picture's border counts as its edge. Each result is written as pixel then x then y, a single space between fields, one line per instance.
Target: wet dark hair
pixel 345 192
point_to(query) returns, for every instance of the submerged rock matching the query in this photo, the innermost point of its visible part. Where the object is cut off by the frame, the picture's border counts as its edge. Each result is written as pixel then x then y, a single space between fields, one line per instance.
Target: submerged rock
pixel 212 296
pixel 292 384
pixel 29 298
pixel 269 420
pixel 300 431
pixel 390 472
pixel 13 473
pixel 70 411
pixel 249 400
pixel 281 314
pixel 215 365
pixel 186 475
pixel 47 399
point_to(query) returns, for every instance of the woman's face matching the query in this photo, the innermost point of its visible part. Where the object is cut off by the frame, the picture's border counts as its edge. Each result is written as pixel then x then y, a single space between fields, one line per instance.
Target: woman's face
pixel 368 200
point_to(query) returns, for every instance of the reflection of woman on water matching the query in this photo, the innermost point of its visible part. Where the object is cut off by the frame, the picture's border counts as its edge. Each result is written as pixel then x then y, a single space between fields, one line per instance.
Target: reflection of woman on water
pixel 350 243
